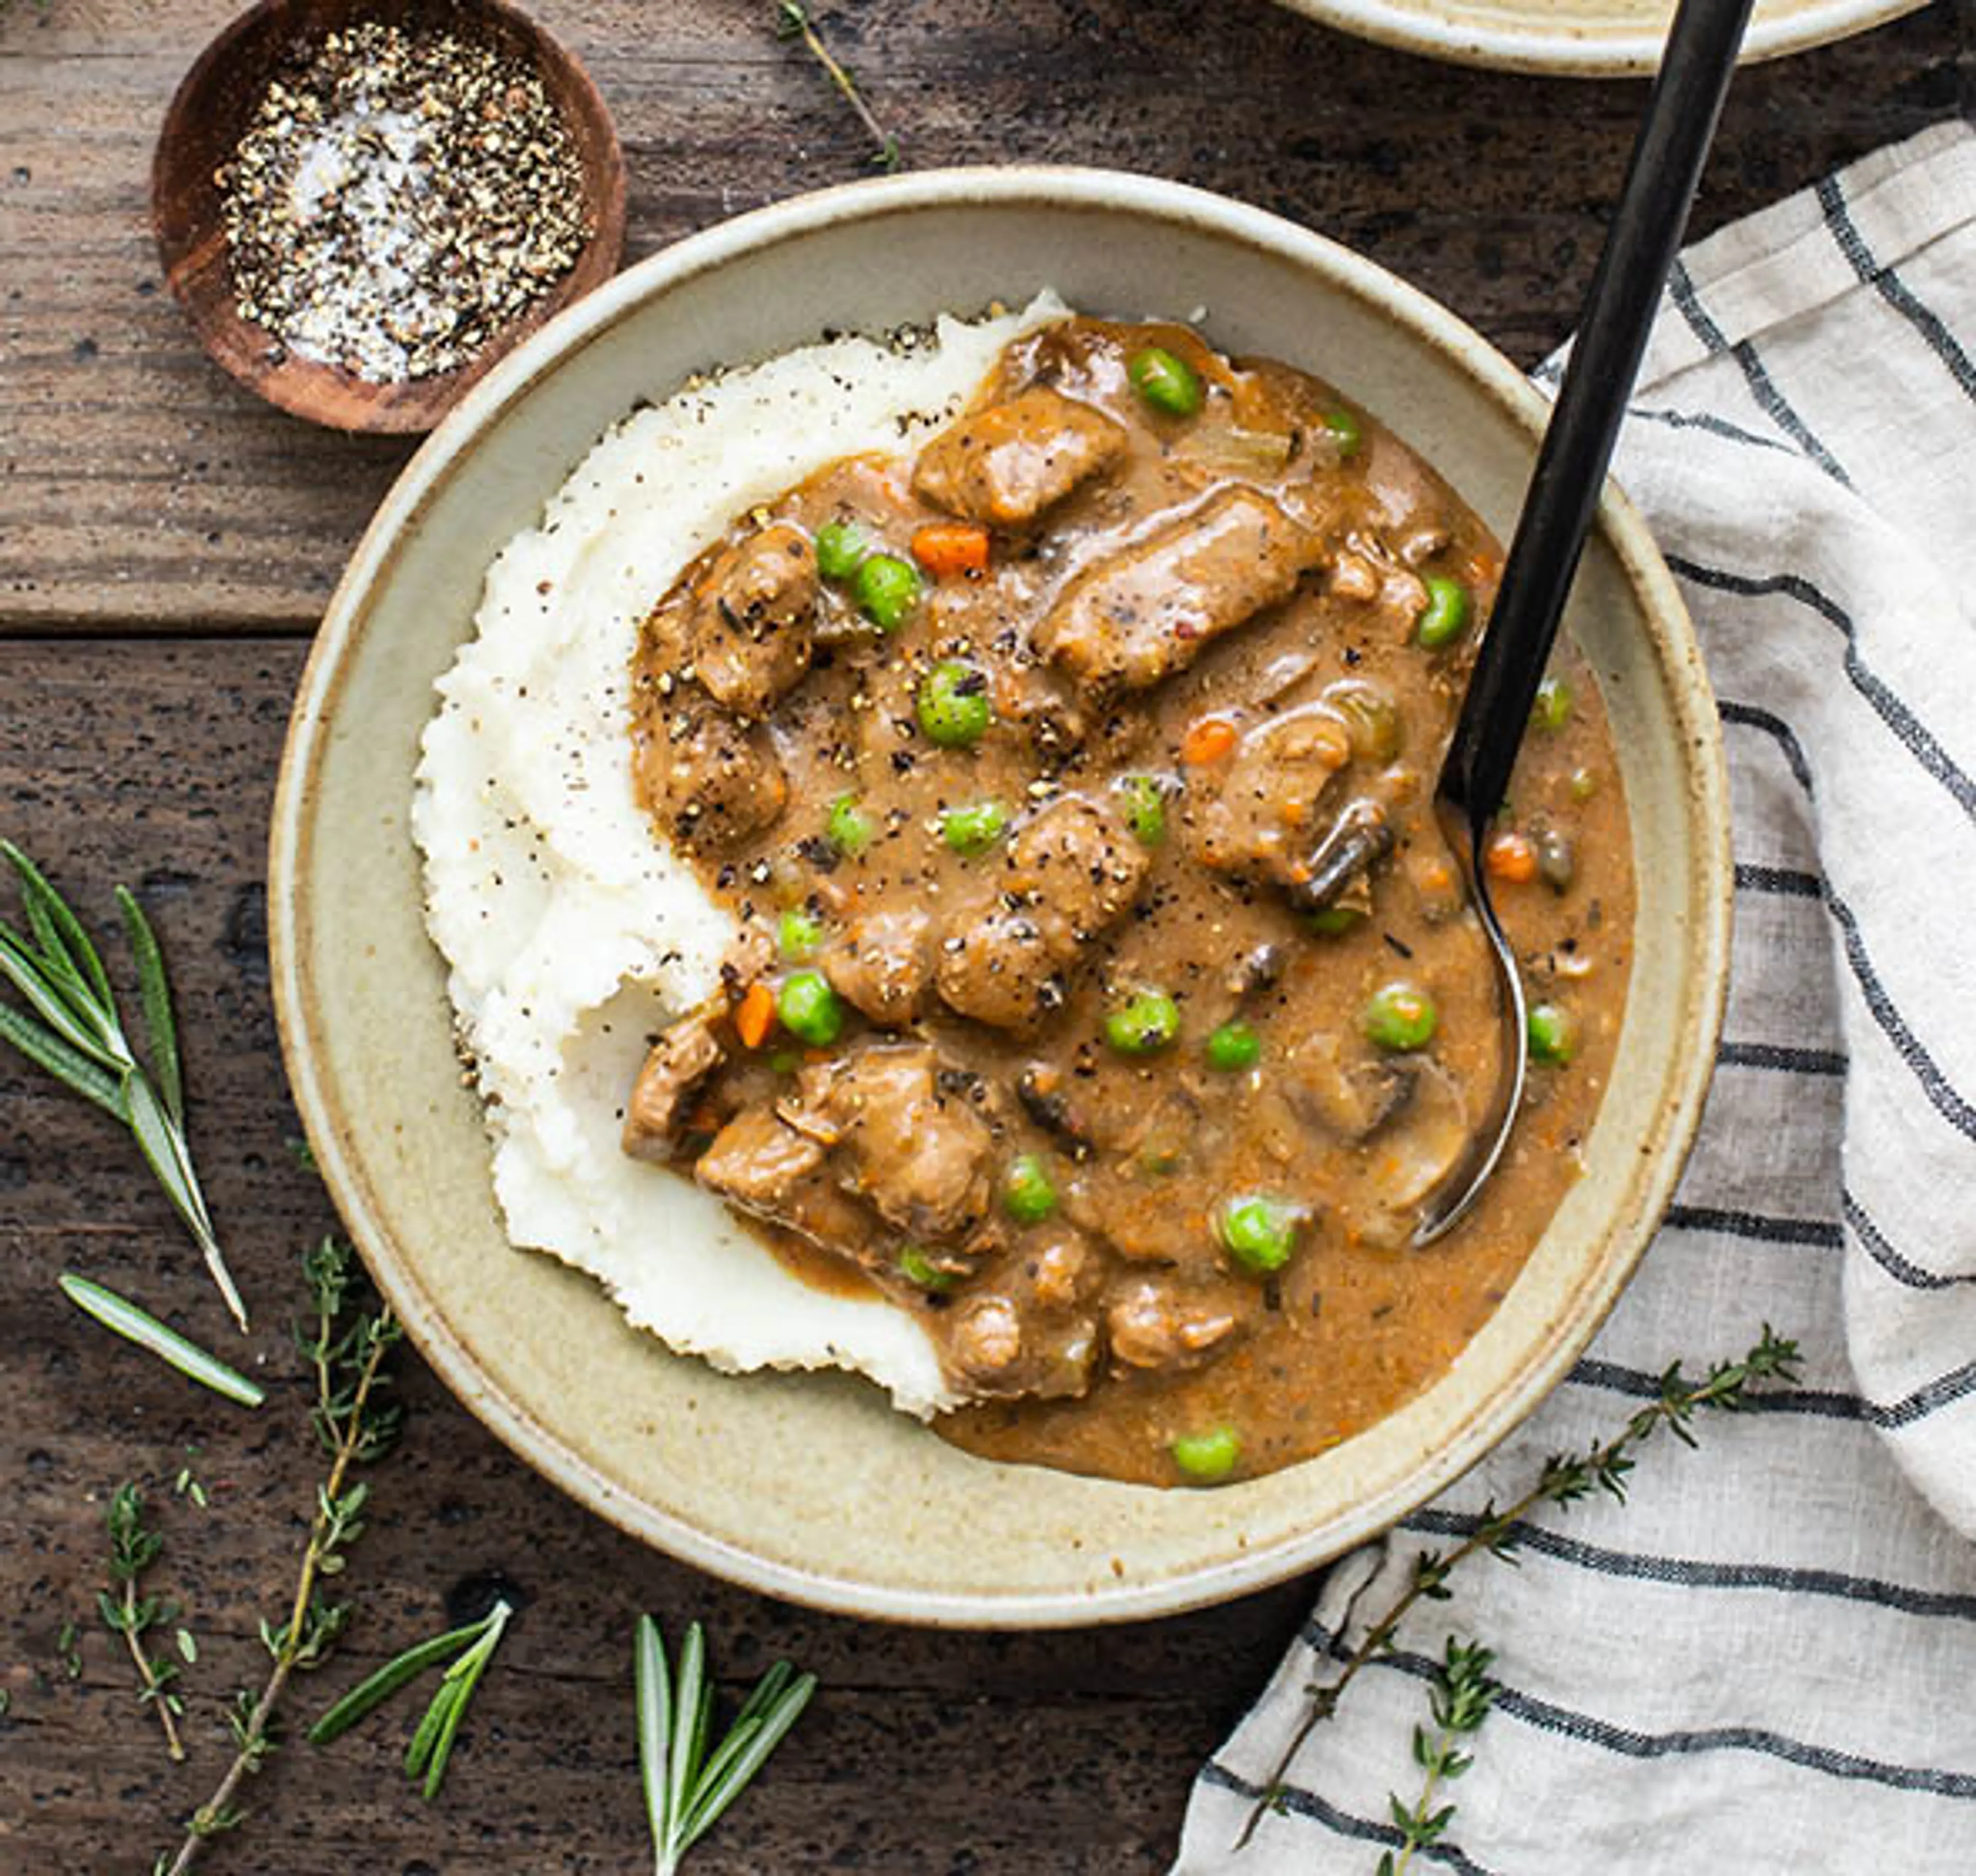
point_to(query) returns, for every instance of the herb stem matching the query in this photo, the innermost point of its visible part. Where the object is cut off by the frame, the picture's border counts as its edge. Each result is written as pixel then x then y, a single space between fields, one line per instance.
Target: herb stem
pixel 154 1683
pixel 344 1418
pixel 796 23
pixel 1565 1479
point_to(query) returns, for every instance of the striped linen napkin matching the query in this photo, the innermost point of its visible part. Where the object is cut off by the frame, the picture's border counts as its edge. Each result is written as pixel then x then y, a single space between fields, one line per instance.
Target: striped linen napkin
pixel 1766 1661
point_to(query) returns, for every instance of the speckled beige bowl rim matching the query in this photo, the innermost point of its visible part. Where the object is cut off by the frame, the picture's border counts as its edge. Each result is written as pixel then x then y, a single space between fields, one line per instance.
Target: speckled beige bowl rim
pixel 1563 38
pixel 515 1422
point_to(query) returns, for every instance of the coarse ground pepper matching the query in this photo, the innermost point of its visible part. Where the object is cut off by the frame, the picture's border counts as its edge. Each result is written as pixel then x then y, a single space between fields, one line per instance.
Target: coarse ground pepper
pixel 399 197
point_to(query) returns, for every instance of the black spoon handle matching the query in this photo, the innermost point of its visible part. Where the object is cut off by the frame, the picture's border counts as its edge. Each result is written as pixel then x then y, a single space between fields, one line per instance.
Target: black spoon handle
pixel 1668 158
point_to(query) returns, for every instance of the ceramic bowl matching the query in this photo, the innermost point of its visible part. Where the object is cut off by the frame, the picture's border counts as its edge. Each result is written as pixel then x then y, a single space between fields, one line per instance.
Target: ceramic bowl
pixel 1584 38
pixel 809 1487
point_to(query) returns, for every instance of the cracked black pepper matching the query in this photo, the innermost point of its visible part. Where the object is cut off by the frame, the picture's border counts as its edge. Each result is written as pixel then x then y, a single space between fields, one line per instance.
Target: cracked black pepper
pixel 397 198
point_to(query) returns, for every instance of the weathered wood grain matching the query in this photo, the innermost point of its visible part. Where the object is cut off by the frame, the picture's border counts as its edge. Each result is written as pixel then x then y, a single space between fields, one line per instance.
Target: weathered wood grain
pixel 154 763
pixel 143 489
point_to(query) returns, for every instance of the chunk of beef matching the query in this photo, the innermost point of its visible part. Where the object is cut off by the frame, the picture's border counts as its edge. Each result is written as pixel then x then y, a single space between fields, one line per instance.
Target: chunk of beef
pixel 1005 465
pixel 997 1348
pixel 917 1152
pixel 1155 1324
pixel 763 1164
pixel 754 617
pixel 715 782
pixel 1262 814
pixel 1151 608
pixel 1078 863
pixel 681 1059
pixel 884 964
pixel 1067 875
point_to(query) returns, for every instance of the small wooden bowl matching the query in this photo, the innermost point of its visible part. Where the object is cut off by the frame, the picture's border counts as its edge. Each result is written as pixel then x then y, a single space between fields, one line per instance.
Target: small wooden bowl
pixel 203 128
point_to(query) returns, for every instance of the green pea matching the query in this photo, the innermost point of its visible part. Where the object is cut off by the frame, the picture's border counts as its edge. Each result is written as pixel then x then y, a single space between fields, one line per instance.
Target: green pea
pixel 797 934
pixel 1444 617
pixel 1166 381
pixel 1145 1023
pixel 1233 1047
pixel 1400 1016
pixel 1335 920
pixel 954 708
pixel 1260 1233
pixel 974 828
pixel 840 546
pixel 1552 709
pixel 1345 432
pixel 1553 1035
pixel 886 588
pixel 1207 1457
pixel 849 828
pixel 1028 1195
pixel 1146 809
pixel 916 1267
pixel 810 1009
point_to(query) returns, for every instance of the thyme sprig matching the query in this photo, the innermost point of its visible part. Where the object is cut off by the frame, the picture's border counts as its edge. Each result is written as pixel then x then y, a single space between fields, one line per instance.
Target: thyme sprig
pixel 794 22
pixel 1567 1478
pixel 126 1611
pixel 1459 1699
pixel 347 1341
pixel 471 1648
pixel 72 1028
pixel 686 1789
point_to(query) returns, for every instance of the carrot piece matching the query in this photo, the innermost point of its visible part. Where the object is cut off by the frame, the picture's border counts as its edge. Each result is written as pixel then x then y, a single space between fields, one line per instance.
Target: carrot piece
pixel 1511 857
pixel 1208 741
pixel 947 547
pixel 753 1014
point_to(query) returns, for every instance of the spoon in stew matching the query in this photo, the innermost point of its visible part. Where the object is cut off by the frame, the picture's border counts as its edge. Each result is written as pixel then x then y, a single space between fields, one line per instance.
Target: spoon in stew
pixel 1565 486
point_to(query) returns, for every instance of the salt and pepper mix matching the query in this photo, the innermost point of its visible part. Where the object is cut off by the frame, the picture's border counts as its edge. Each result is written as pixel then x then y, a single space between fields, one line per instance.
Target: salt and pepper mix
pixel 399 197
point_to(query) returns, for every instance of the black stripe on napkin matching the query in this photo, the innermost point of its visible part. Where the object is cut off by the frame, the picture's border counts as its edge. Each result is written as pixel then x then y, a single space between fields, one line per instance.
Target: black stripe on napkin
pixel 1817 1403
pixel 1890 288
pixel 1771 401
pixel 1902 1269
pixel 1750 716
pixel 1308 1804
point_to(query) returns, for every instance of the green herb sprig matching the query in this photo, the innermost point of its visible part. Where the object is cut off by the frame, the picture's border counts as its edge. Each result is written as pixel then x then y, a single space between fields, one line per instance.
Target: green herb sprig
pixel 123 1317
pixel 73 1029
pixel 470 1649
pixel 1458 1701
pixel 1566 1480
pixel 686 1789
pixel 794 22
pixel 347 1341
pixel 126 1611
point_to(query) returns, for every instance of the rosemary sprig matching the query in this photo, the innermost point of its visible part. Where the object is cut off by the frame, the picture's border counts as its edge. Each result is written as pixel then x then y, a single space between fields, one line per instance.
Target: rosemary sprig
pixel 123 1317
pixel 1565 1480
pixel 687 1789
pixel 794 22
pixel 133 1549
pixel 1458 1701
pixel 346 1342
pixel 72 1028
pixel 472 1648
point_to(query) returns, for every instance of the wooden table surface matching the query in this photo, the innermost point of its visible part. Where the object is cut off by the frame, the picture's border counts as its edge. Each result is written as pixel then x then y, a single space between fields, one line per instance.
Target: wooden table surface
pixel 166 545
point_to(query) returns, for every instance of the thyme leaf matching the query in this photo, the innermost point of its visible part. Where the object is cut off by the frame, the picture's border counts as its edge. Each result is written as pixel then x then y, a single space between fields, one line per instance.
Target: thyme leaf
pixel 346 1338
pixel 72 1028
pixel 686 1790
pixel 133 1549
pixel 1566 1480
pixel 1459 1700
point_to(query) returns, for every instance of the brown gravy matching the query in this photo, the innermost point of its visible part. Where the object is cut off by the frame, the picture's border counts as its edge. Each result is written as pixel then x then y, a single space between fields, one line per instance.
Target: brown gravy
pixel 1187 642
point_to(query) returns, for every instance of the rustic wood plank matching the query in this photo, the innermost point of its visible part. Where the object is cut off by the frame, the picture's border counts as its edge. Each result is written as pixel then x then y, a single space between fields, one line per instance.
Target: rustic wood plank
pixel 143 490
pixel 154 763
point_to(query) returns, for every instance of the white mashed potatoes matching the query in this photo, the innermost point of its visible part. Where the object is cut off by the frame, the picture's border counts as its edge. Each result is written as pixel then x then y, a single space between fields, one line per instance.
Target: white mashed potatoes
pixel 573 934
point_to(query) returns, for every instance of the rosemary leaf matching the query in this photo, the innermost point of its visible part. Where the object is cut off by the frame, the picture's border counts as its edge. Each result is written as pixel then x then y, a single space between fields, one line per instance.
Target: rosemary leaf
pixel 163 1146
pixel 121 1317
pixel 724 1783
pixel 154 990
pixel 653 1686
pixel 50 908
pixel 76 1071
pixel 369 1694
pixel 29 974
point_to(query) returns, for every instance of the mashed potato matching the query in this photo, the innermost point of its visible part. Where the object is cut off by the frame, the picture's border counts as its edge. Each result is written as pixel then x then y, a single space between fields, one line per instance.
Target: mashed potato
pixel 572 933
